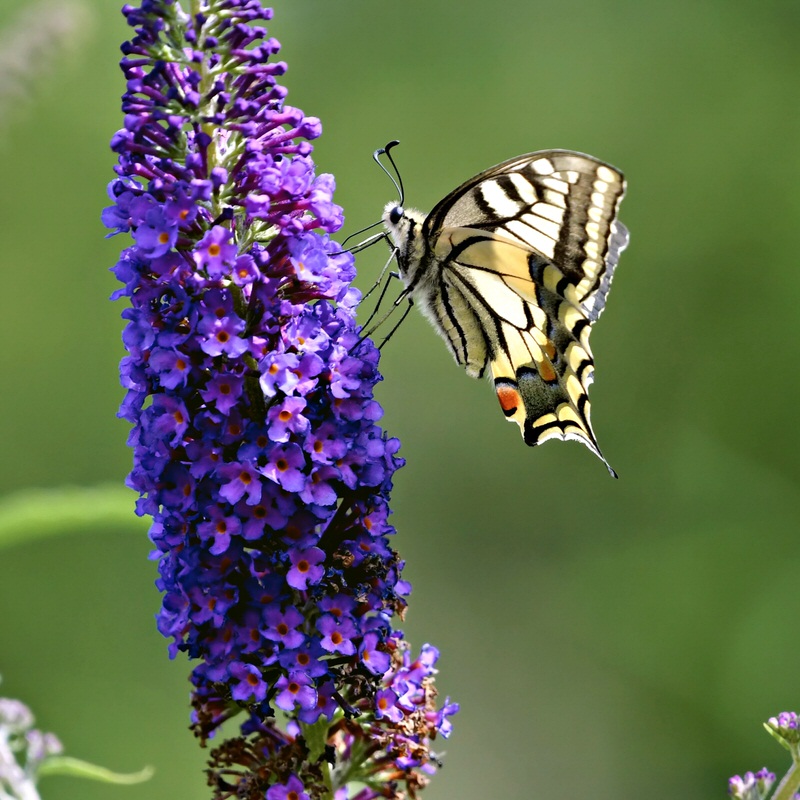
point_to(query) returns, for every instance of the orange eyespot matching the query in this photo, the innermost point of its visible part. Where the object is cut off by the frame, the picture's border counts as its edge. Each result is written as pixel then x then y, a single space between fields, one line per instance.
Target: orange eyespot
pixel 509 399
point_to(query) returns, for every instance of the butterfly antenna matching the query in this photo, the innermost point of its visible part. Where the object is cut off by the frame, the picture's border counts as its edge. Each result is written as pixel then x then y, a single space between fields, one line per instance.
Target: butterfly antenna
pixel 398 182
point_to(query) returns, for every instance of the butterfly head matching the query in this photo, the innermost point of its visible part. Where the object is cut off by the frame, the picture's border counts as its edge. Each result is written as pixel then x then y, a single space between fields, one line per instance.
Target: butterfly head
pixel 394 213
pixel 404 226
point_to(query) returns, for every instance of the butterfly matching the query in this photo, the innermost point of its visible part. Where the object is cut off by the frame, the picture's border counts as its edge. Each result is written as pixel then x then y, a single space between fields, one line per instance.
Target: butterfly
pixel 513 269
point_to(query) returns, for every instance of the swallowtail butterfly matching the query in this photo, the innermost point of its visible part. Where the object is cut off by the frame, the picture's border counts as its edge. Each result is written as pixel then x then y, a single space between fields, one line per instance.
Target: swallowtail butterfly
pixel 513 268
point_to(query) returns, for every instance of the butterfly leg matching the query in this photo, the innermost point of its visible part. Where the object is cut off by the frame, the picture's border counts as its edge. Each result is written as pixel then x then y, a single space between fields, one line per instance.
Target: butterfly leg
pixel 380 280
pixel 395 305
pixel 399 323
pixel 381 297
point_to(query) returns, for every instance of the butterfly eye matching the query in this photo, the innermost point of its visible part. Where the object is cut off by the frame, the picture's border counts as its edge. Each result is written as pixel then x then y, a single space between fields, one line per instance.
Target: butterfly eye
pixel 396 214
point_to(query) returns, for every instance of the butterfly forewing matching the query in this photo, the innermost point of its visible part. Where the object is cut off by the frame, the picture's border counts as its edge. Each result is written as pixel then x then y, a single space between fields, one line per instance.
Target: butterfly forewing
pixel 559 203
pixel 513 268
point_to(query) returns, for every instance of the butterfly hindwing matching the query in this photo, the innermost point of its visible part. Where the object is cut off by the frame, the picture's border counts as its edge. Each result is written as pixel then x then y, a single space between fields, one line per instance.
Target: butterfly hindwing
pixel 536 334
pixel 513 268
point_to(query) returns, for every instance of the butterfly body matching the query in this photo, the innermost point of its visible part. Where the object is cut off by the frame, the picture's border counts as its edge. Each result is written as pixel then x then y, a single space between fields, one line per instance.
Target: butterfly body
pixel 512 269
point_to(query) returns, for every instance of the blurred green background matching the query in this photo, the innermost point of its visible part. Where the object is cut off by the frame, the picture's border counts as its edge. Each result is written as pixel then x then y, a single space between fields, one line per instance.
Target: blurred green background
pixel 606 639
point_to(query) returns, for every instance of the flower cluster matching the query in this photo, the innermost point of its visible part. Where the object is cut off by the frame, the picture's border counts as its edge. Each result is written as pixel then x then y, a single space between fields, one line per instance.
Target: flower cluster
pixel 23 750
pixel 786 728
pixel 751 786
pixel 250 391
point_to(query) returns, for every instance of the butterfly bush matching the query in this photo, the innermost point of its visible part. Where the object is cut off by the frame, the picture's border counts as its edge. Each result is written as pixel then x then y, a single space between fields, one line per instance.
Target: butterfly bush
pixel 256 448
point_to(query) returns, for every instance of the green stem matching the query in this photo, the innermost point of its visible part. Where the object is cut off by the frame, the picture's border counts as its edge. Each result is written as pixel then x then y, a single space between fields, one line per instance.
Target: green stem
pixel 354 771
pixel 209 128
pixel 316 737
pixel 195 7
pixel 325 768
pixel 789 785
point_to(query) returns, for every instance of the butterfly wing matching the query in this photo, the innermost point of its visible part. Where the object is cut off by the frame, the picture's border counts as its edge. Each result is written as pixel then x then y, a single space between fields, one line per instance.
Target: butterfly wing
pixel 526 253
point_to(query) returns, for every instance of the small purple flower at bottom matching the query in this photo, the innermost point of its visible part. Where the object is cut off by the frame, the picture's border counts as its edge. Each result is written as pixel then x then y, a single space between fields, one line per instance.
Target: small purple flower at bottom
pixel 386 705
pixel 306 569
pixel 291 790
pixel 375 660
pixel 295 690
pixel 24 751
pixel 215 252
pixel 248 683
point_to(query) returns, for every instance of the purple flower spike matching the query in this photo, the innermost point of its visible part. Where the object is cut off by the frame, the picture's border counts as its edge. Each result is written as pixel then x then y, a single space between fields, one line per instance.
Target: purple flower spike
pixel 256 446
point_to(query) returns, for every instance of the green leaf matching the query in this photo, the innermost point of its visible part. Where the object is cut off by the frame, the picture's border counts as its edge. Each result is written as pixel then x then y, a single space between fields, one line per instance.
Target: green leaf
pixel 777 737
pixel 316 737
pixel 37 513
pixel 64 765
